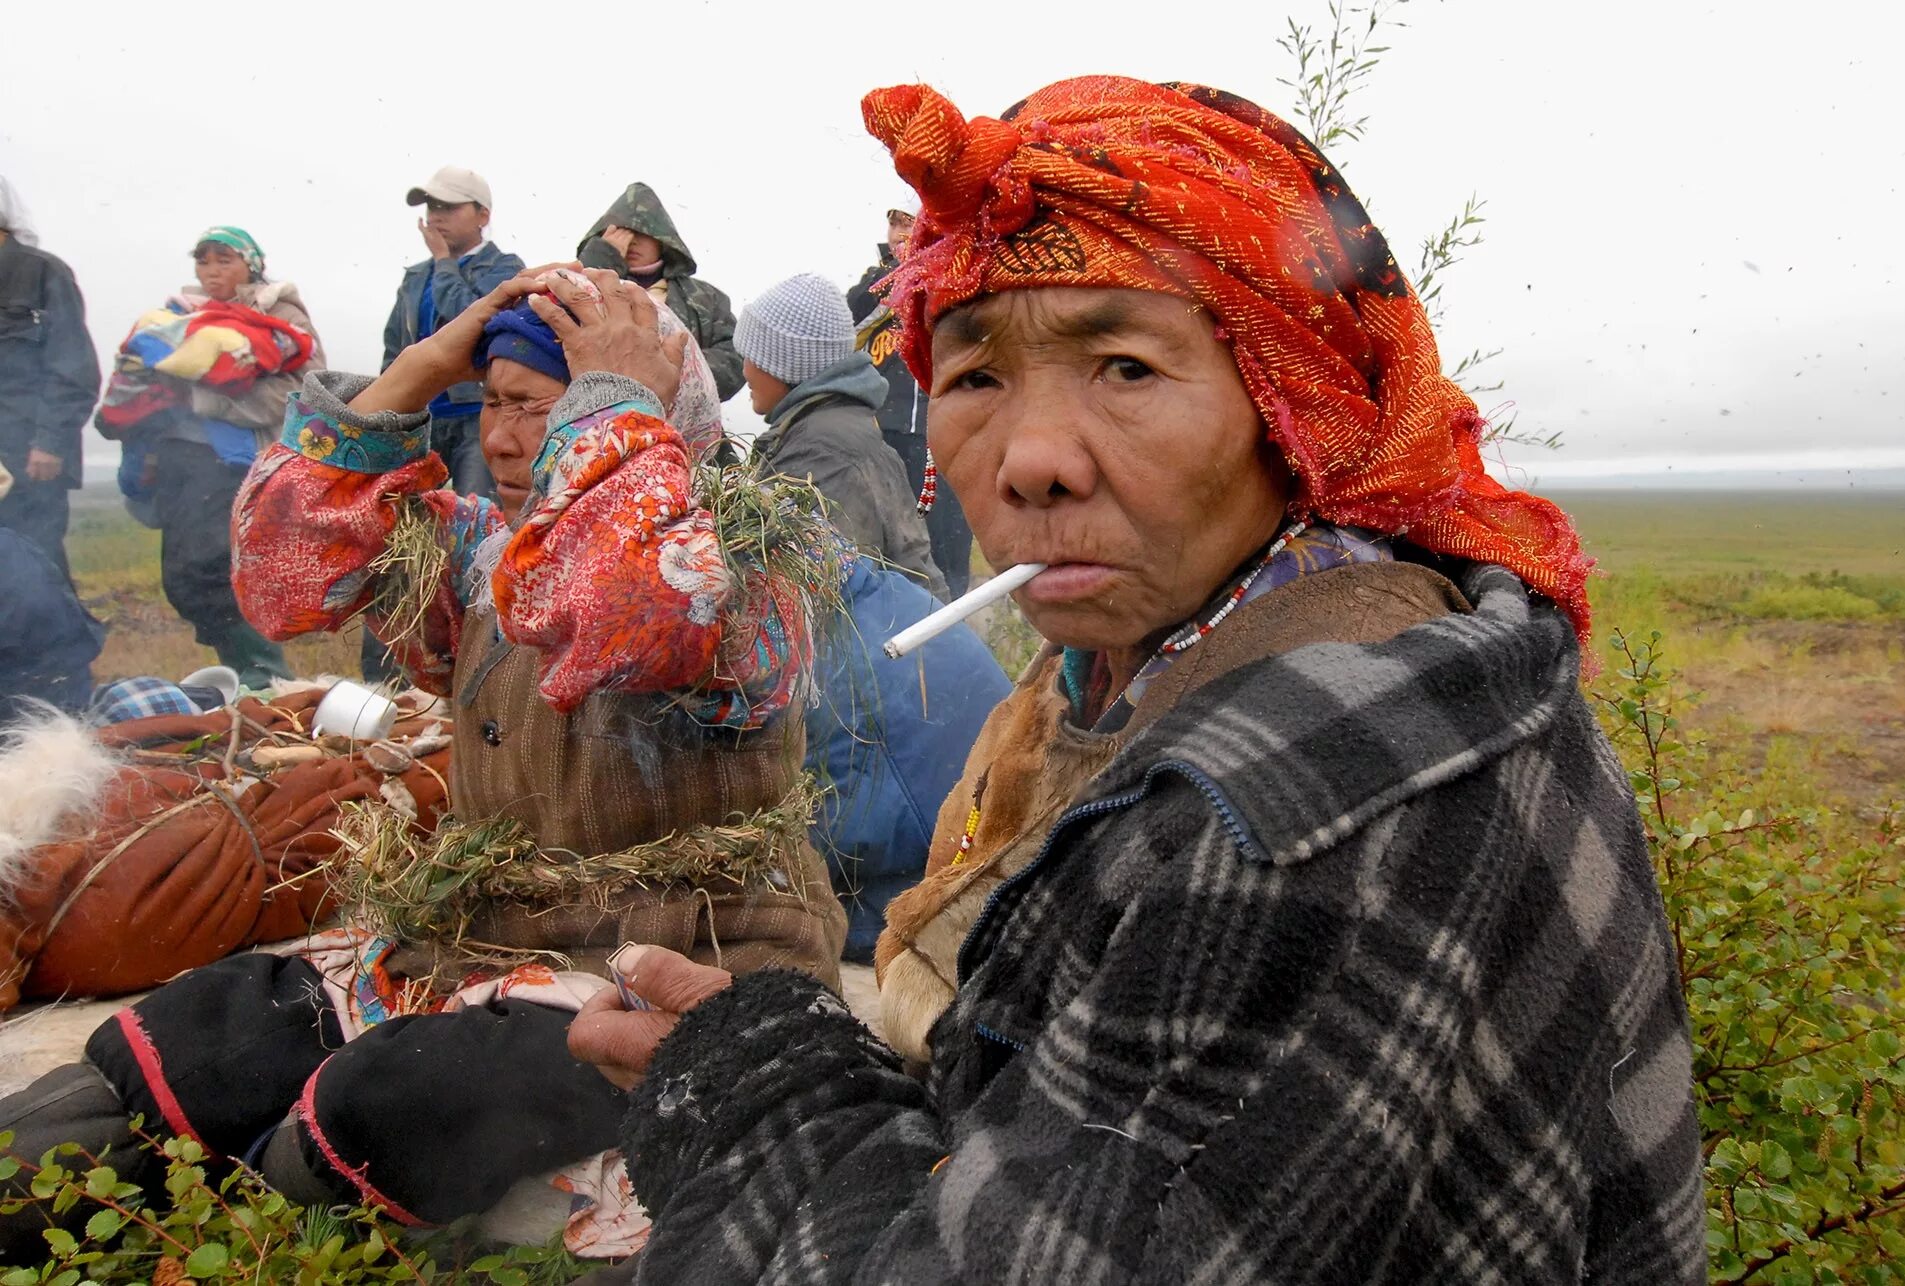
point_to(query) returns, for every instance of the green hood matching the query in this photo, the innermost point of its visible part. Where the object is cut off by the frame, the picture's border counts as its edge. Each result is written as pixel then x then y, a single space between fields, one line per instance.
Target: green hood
pixel 640 210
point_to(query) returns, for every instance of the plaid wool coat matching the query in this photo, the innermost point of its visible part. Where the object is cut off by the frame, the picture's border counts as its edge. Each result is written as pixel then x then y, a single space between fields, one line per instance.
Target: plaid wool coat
pixel 1350 968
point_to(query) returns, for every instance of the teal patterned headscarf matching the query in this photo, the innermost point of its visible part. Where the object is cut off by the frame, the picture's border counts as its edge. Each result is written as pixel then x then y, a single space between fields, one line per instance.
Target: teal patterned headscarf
pixel 238 239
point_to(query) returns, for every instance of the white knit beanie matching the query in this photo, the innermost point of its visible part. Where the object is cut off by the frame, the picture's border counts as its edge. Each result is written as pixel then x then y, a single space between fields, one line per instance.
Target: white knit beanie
pixel 797 329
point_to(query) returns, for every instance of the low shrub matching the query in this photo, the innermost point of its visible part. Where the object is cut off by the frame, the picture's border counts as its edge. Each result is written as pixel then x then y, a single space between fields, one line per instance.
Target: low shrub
pixel 1790 929
pixel 1803 602
pixel 204 1228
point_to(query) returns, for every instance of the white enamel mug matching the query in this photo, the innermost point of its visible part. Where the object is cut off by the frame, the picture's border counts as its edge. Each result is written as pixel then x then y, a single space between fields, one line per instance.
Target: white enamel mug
pixel 355 711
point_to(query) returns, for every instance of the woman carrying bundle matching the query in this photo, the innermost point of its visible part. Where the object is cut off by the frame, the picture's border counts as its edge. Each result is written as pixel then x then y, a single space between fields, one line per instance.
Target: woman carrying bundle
pixel 198 390
pixel 626 672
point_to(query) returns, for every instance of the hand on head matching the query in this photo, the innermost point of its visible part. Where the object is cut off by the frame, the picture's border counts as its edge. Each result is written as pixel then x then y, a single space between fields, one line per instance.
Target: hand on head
pixel 638 249
pixel 445 358
pixel 621 1042
pixel 602 322
pixel 607 324
pixel 620 238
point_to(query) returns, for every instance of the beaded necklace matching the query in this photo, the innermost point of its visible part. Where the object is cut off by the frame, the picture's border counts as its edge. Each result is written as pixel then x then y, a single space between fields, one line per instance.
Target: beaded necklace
pixel 1189 637
pixel 1183 641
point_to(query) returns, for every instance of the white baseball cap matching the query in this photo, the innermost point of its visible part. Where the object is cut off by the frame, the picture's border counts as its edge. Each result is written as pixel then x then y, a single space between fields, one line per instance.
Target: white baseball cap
pixel 452 185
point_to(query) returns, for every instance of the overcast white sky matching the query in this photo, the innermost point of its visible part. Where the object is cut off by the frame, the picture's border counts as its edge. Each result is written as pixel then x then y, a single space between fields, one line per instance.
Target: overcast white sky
pixel 1695 210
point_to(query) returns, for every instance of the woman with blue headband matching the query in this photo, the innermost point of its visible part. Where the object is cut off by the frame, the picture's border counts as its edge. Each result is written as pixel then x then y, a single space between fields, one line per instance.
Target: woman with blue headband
pixel 627 682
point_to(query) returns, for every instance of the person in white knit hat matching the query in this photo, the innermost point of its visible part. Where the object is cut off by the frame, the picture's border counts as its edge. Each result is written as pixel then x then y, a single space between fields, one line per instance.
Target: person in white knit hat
pixel 821 400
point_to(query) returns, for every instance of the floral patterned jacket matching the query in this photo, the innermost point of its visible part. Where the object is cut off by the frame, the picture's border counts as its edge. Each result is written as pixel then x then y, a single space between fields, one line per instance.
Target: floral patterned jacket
pixel 614 573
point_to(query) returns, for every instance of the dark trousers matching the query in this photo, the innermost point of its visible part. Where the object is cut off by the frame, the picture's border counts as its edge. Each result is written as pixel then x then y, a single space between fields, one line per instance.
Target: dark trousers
pixel 946 523
pixel 434 1115
pixel 38 511
pixel 193 494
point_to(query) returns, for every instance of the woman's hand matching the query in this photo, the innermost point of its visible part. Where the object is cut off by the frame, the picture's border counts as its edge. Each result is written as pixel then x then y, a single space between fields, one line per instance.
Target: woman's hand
pixel 614 329
pixel 621 1042
pixel 433 364
pixel 620 238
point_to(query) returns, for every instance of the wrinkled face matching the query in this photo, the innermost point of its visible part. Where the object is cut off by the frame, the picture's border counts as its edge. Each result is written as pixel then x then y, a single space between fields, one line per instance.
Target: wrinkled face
pixel 516 406
pixel 460 225
pixel 221 270
pixel 1106 433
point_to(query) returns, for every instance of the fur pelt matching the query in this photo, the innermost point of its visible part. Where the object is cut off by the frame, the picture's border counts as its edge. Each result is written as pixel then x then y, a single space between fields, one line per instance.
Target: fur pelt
pixel 51 768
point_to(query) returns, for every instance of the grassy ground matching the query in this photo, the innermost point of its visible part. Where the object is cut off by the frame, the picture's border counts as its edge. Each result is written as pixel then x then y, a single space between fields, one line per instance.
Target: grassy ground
pixel 116 565
pixel 1785 611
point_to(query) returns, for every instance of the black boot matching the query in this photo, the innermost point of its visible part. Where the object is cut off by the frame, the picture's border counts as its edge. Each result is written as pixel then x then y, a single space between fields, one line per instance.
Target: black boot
pixel 258 660
pixel 70 1104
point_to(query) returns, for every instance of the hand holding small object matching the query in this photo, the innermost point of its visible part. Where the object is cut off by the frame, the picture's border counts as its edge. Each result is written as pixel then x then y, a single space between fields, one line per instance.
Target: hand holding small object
pixel 619 1039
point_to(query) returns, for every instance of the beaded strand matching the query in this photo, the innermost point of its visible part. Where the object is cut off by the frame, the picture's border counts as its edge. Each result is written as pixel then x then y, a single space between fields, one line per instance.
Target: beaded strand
pixel 929 487
pixel 972 819
pixel 1184 641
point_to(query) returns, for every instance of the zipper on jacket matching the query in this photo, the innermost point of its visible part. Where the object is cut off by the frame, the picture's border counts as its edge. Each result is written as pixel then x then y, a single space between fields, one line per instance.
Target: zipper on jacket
pixel 1239 834
pixel 1018 1046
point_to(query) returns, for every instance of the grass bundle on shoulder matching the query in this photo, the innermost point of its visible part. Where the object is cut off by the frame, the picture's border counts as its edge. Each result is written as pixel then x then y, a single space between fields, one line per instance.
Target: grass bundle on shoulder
pixel 776 524
pixel 406 573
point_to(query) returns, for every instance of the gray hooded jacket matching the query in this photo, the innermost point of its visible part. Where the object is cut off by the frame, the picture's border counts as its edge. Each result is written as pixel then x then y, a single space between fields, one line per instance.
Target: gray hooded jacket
pixel 826 430
pixel 699 304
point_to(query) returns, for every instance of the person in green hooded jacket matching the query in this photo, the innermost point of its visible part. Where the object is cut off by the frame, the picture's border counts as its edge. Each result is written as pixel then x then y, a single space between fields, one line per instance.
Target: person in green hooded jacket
pixel 636 238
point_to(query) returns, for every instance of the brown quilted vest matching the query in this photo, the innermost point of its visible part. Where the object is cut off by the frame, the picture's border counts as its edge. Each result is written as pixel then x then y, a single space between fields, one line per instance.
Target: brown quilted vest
pixel 619 770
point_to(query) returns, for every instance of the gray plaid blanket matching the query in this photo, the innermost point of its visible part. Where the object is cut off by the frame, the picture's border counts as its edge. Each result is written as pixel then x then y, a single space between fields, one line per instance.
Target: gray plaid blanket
pixel 1352 968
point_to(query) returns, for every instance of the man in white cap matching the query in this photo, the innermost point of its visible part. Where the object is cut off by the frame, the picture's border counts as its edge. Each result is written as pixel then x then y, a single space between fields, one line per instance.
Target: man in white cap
pixel 820 398
pixel 463 267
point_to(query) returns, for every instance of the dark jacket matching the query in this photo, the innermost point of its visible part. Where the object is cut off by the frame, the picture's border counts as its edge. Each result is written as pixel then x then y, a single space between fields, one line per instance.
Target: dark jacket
pixel 889 750
pixel 455 284
pixel 903 414
pixel 824 430
pixel 1351 967
pixel 49 371
pixel 861 301
pixel 702 308
pixel 904 411
pixel 48 640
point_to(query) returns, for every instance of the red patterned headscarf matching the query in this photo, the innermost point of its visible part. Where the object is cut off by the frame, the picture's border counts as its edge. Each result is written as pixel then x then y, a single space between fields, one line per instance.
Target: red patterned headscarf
pixel 1104 181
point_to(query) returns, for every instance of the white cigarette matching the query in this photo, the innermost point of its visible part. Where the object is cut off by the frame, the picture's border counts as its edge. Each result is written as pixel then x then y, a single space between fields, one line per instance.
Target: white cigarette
pixel 960 608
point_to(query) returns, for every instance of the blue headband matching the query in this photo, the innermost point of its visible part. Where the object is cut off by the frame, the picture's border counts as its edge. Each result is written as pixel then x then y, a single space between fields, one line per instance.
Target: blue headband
pixel 518 335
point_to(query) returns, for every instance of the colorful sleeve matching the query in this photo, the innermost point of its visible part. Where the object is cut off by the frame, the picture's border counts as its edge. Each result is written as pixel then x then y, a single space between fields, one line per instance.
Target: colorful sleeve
pixel 318 509
pixel 617 575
